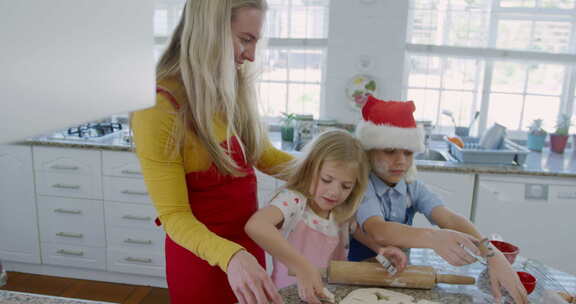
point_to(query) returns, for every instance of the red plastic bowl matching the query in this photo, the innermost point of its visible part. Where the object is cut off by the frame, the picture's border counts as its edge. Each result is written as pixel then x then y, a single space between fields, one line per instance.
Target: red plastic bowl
pixel 510 251
pixel 528 280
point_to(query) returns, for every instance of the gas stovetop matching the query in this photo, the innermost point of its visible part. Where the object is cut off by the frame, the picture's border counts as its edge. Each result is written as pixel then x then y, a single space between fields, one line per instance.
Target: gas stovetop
pixel 89 131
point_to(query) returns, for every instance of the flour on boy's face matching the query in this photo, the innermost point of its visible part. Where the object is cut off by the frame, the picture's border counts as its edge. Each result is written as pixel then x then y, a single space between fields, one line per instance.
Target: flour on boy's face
pixel 391 165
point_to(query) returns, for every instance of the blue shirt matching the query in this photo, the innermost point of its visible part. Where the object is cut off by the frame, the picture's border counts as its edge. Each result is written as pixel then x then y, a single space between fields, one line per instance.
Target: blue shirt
pixel 394 204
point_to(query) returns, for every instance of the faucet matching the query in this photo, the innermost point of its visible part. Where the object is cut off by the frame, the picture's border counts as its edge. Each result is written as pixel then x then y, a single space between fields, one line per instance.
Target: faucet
pixel 427 127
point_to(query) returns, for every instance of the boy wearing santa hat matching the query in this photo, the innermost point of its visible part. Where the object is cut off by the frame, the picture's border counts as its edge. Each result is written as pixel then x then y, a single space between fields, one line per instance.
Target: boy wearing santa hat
pixel 390 136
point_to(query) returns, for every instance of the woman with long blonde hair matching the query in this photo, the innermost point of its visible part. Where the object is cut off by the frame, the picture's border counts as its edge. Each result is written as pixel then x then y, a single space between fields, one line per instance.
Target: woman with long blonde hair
pixel 198 147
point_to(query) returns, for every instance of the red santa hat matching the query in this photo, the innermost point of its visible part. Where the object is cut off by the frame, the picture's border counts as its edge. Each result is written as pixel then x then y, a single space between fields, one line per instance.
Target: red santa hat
pixel 389 124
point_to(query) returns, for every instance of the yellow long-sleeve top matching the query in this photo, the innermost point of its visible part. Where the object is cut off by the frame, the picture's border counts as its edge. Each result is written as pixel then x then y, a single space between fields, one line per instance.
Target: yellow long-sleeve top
pixel 165 175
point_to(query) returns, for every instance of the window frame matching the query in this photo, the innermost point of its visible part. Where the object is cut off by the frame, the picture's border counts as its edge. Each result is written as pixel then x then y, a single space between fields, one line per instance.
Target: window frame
pixel 490 54
pixel 174 8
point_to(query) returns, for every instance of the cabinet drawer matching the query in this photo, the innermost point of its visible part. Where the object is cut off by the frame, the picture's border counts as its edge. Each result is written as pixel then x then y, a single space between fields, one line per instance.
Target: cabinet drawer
pixel 75 256
pixel 121 164
pixel 150 241
pixel 560 194
pixel 71 221
pixel 128 215
pixel 136 262
pixel 69 185
pixel 67 161
pixel 125 190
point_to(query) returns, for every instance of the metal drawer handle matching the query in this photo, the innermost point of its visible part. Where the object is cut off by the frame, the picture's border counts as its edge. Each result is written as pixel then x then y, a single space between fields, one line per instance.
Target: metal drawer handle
pixel 67 211
pixel 70 235
pixel 131 259
pixel 566 195
pixel 131 172
pixel 140 242
pixel 64 186
pixel 68 252
pixel 132 192
pixel 64 167
pixel 136 218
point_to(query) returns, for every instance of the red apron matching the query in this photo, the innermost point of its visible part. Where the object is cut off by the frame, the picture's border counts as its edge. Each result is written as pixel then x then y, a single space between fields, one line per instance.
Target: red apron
pixel 224 204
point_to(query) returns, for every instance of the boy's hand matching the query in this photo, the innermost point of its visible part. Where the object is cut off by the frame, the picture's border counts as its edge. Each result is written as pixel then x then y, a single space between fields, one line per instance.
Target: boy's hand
pixel 395 255
pixel 502 274
pixel 447 244
pixel 310 285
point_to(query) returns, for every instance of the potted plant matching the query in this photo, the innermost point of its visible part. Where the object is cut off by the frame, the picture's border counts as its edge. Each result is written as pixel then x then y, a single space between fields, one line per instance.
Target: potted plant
pixel 559 138
pixel 287 127
pixel 536 136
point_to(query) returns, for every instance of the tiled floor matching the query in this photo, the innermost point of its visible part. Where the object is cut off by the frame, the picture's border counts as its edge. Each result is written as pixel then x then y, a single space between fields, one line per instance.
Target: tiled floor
pixel 87 290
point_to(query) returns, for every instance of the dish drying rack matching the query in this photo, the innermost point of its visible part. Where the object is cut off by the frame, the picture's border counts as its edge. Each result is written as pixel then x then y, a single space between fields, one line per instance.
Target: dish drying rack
pixel 508 153
pixel 545 280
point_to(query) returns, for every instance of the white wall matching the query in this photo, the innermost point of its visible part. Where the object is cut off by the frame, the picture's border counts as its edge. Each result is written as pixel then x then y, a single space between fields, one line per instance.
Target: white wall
pixel 374 28
pixel 65 62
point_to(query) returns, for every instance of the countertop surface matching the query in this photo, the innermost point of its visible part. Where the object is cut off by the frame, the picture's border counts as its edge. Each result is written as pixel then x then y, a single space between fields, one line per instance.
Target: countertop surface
pixel 545 163
pixel 12 297
pixel 547 279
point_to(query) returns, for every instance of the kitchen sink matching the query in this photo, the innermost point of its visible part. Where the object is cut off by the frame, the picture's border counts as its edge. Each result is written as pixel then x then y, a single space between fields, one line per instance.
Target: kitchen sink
pixel 434 155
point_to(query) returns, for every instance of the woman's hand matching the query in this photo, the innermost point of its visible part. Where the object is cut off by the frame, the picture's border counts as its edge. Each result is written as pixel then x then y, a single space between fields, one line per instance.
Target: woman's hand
pixel 395 255
pixel 250 282
pixel 448 244
pixel 502 275
pixel 310 285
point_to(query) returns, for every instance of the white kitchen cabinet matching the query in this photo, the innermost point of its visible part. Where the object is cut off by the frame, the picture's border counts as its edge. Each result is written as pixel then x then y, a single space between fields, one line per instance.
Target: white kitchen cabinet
pixel 136 262
pixel 131 190
pixel 19 239
pixel 74 256
pixel 455 189
pixel 68 172
pixel 120 214
pixel 134 243
pixel 71 211
pixel 534 213
pixel 71 221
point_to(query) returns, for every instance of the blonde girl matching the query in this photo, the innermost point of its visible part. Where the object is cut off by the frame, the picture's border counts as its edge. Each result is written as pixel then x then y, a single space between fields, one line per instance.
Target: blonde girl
pixel 308 222
pixel 198 147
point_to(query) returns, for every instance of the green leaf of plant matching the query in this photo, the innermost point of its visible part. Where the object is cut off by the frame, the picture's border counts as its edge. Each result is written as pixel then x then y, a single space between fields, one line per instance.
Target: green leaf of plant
pixel 371 86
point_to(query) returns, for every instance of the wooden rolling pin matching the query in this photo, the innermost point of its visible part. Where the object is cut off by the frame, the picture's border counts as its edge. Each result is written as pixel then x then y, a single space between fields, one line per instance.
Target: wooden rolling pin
pixel 373 274
pixel 569 298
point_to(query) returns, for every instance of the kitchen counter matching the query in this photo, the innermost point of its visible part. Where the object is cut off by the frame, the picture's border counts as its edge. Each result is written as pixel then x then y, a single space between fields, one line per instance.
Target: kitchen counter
pixel 547 279
pixel 12 297
pixel 119 141
pixel 545 163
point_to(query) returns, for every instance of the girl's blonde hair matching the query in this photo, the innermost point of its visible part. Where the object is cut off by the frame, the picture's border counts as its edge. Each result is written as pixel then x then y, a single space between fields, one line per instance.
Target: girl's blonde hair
pixel 201 56
pixel 332 145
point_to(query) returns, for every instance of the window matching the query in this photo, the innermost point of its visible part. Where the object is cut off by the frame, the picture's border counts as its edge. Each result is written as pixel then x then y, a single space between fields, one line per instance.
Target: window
pixel 166 16
pixel 512 60
pixel 293 61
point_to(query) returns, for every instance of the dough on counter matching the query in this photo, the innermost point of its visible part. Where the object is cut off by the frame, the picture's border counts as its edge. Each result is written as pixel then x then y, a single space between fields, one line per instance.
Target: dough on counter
pixel 380 296
pixel 377 296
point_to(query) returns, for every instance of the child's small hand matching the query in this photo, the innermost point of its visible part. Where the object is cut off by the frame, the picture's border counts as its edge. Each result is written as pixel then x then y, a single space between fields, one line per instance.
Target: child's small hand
pixel 310 285
pixel 449 245
pixel 395 255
